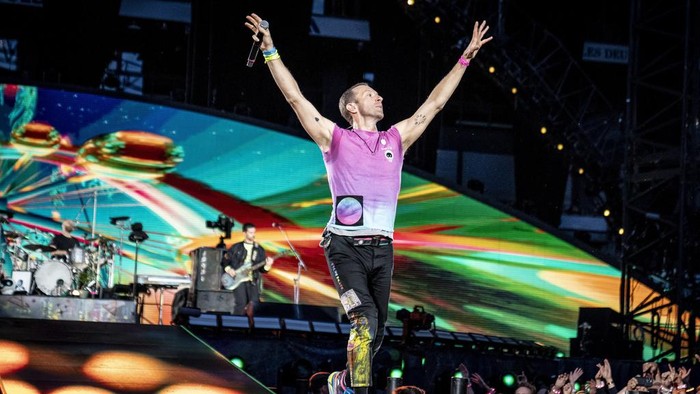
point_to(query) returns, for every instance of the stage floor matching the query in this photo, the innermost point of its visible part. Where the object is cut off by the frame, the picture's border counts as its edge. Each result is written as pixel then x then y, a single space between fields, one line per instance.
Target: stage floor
pixel 59 356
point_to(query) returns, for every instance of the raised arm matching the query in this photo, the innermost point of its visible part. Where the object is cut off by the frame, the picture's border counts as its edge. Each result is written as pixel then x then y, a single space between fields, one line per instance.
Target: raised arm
pixel 319 128
pixel 412 128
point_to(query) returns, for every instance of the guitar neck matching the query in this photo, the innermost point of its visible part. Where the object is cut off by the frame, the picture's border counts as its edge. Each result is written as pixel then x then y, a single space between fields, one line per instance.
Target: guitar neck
pixel 260 264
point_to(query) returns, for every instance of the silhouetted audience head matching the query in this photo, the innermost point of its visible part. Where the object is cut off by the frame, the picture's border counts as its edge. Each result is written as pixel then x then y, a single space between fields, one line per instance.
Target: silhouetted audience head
pixel 318 383
pixel 525 388
pixel 408 390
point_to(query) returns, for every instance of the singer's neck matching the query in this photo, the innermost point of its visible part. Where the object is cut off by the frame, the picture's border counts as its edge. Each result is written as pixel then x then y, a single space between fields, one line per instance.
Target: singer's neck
pixel 365 124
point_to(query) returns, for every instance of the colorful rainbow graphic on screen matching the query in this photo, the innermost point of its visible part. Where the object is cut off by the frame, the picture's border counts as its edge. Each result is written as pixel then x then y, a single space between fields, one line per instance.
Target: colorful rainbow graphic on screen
pixel 68 155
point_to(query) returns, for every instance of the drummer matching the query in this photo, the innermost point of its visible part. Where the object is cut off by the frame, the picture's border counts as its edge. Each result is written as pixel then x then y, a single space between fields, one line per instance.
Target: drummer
pixel 64 242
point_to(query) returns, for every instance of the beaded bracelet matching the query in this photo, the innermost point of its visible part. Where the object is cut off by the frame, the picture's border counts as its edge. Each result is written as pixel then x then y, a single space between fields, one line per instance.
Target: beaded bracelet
pixel 463 61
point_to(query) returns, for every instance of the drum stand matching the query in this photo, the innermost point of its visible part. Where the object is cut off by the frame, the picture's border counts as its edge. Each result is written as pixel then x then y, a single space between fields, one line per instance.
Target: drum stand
pixel 121 225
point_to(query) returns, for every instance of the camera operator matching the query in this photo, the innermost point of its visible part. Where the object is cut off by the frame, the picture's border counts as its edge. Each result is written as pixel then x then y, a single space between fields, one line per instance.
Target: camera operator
pixel 237 263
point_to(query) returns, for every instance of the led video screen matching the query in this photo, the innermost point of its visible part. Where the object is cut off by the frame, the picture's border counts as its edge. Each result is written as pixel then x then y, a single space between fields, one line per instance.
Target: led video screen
pixel 95 159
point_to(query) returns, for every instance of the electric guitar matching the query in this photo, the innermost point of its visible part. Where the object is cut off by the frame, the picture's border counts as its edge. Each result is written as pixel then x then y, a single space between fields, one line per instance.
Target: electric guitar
pixel 229 282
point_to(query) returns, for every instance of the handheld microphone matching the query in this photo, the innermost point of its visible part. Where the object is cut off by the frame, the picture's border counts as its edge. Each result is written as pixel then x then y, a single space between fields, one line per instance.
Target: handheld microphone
pixel 255 48
pixel 275 224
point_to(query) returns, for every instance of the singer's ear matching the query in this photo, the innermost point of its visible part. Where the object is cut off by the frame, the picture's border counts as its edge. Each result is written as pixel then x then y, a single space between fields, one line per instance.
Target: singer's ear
pixel 351 107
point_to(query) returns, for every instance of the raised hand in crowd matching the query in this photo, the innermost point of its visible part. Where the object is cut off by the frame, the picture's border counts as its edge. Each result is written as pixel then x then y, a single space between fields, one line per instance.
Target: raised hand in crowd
pixel 568 388
pixel 479 381
pixel 651 370
pixel 522 378
pixel 667 379
pixel 683 375
pixel 559 383
pixel 574 375
pixel 632 385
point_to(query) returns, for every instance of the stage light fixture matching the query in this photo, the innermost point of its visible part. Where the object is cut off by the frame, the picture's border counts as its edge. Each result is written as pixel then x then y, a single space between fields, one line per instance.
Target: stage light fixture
pixel 514 90
pixel 297 325
pixel 580 171
pixel 543 130
pixel 560 147
pixel 444 336
pixel 204 321
pixel 268 323
pixel 396 373
pixel 621 231
pixel 559 354
pixel 410 2
pixel 234 321
pixel 492 69
pixel 508 380
pixel 437 19
pixel 606 213
pixel 393 383
pixel 344 328
pixel 237 361
pixel 324 327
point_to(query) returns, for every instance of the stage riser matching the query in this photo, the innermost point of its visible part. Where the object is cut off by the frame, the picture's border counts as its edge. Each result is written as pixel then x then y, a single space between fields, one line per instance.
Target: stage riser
pixel 67 308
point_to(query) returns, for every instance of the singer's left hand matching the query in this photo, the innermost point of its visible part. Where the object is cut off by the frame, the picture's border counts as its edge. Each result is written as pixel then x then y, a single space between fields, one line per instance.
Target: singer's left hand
pixel 478 40
pixel 254 25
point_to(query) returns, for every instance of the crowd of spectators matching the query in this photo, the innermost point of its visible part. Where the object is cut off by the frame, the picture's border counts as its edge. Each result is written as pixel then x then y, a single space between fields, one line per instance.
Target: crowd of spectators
pixel 653 378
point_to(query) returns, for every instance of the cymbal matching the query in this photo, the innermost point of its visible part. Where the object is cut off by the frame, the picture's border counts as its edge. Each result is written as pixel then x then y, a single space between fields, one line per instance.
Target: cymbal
pixel 12 234
pixel 39 247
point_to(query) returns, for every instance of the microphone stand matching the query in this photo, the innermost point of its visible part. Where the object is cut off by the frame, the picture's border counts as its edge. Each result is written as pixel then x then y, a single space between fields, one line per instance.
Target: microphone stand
pixel 300 263
pixel 135 292
pixel 137 236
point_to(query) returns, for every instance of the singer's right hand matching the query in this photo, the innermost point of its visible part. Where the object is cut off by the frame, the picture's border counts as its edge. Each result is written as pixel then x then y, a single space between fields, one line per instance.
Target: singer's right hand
pixel 254 25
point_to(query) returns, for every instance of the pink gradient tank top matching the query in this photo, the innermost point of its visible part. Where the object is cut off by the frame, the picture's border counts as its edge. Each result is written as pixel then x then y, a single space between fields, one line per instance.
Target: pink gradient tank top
pixel 364 175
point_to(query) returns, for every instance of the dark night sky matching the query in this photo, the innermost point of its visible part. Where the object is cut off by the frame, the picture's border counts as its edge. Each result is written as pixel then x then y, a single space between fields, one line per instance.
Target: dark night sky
pixel 72 41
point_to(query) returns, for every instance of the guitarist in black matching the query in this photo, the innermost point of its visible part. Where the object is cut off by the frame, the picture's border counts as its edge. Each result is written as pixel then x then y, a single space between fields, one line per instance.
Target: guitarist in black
pixel 240 256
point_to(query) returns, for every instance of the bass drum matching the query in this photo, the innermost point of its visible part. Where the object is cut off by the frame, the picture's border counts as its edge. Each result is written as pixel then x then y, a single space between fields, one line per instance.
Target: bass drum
pixel 54 278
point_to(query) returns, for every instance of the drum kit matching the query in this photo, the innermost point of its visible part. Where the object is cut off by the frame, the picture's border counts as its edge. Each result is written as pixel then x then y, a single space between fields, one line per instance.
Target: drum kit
pixel 83 270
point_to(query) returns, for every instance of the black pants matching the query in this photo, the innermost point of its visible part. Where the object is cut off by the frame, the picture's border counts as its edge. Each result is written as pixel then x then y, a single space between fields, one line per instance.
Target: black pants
pixel 243 294
pixel 362 277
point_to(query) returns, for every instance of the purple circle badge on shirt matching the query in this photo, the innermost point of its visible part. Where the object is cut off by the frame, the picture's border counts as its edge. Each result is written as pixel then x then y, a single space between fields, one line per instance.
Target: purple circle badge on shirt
pixel 348 211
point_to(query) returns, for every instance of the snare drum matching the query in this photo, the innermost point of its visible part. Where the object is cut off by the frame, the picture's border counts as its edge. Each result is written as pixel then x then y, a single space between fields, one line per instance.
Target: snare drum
pixel 54 278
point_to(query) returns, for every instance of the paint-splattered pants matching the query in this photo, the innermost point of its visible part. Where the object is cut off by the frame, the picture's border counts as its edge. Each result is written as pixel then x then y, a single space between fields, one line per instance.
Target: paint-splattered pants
pixel 362 276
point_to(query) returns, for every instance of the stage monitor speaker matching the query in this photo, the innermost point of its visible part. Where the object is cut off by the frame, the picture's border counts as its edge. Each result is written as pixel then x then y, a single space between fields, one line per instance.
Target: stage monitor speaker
pixel 207 268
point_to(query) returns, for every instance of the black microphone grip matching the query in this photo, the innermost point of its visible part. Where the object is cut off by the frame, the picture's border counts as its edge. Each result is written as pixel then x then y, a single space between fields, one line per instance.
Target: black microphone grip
pixel 255 48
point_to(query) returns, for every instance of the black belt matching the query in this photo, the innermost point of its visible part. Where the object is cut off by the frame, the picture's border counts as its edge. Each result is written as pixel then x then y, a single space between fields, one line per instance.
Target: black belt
pixel 376 240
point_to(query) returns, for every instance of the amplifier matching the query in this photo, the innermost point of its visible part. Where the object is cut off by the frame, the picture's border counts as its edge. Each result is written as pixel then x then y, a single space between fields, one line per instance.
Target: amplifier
pixel 206 264
pixel 215 301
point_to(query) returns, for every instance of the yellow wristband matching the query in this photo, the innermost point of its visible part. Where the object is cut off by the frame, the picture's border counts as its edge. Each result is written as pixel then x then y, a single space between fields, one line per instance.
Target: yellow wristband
pixel 272 56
